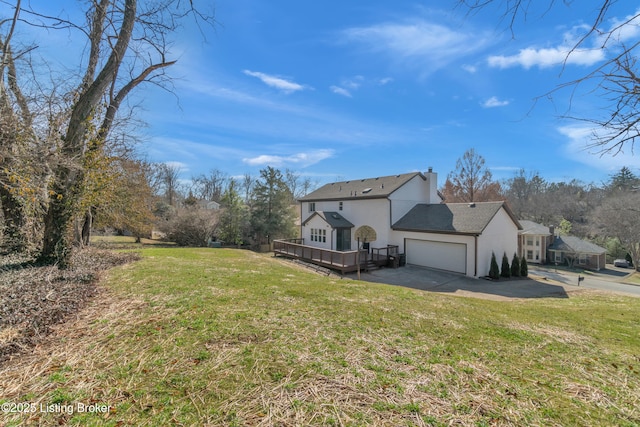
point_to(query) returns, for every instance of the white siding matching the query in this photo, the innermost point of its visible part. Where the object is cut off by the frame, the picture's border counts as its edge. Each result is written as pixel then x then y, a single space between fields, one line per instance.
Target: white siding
pixel 406 197
pixel 318 223
pixel 499 237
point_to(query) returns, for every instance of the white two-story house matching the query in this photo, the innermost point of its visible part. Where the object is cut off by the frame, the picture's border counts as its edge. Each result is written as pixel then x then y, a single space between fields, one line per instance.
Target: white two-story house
pixel 406 210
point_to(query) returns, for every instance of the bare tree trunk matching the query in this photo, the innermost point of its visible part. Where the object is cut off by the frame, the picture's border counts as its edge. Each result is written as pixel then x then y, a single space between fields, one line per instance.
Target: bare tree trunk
pixel 86 228
pixel 15 234
pixel 68 180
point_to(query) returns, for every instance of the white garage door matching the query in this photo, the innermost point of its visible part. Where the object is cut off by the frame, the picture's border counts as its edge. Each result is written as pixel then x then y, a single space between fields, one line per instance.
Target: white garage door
pixel 441 255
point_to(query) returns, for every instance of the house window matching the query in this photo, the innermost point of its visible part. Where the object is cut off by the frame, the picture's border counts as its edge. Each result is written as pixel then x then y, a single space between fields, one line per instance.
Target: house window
pixel 529 255
pixel 529 241
pixel 340 206
pixel 537 241
pixel 558 256
pixel 582 259
pixel 312 206
pixel 319 235
pixel 537 255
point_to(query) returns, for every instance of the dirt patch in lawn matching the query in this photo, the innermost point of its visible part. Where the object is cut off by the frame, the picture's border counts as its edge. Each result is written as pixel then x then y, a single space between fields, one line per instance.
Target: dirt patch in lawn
pixel 33 298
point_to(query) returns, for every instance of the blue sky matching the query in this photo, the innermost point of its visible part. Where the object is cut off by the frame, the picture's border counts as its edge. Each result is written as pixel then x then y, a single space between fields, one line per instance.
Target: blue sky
pixel 343 90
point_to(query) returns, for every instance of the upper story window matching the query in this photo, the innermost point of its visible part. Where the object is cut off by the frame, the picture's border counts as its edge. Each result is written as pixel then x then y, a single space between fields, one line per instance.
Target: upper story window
pixel 312 206
pixel 340 206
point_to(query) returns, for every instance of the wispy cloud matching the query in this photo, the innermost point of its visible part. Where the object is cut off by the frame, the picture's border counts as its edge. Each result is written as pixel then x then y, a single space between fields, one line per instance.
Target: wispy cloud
pixel 298 159
pixel 348 86
pixel 579 140
pixel 419 42
pixel 340 91
pixel 276 82
pixel 471 69
pixel 494 102
pixel 589 52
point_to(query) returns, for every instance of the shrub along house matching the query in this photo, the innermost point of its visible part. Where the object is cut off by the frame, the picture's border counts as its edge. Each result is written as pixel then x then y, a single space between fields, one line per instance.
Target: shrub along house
pixel 406 211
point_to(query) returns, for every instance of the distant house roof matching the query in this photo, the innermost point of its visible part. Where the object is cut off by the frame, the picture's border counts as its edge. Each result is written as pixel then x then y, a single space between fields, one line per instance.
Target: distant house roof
pixel 575 244
pixel 462 218
pixel 334 219
pixel 368 188
pixel 530 227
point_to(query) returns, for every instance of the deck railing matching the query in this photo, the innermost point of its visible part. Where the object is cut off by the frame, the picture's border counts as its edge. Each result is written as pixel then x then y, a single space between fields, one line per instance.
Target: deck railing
pixel 344 261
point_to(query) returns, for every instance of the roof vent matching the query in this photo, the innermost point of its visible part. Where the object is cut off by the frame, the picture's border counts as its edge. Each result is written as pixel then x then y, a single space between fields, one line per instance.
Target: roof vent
pixel 335 216
pixel 366 190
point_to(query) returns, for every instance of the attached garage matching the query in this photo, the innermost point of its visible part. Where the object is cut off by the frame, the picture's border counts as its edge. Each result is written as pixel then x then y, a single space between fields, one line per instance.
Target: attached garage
pixel 434 254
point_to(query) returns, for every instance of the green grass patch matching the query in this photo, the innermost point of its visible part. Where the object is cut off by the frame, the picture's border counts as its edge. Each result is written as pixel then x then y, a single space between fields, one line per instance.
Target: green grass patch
pixel 634 279
pixel 230 337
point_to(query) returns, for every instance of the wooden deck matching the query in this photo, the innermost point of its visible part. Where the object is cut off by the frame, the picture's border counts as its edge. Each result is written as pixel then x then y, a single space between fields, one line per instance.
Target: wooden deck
pixel 345 262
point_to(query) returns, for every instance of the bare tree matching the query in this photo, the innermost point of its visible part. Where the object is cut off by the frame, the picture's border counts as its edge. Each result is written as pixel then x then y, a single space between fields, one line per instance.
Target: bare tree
pixel 212 186
pixel 128 44
pixel 297 184
pixel 169 176
pixel 618 216
pixel 471 181
pixel 615 78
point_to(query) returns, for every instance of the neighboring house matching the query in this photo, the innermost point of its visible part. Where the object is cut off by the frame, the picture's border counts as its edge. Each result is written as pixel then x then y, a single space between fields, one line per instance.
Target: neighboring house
pixel 406 210
pixel 577 252
pixel 539 245
pixel 533 241
pixel 209 205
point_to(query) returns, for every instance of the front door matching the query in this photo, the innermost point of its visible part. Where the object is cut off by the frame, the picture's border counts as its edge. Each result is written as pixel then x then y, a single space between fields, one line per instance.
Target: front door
pixel 343 239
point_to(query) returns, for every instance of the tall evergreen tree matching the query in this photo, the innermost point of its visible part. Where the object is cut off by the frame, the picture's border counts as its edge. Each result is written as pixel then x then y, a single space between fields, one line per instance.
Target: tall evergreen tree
pixel 625 180
pixel 494 270
pixel 505 271
pixel 271 212
pixel 515 266
pixel 234 219
pixel 524 268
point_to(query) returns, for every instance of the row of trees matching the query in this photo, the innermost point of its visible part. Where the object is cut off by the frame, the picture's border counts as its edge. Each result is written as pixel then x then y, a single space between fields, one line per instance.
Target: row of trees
pixel 518 267
pixel 253 210
pixel 606 213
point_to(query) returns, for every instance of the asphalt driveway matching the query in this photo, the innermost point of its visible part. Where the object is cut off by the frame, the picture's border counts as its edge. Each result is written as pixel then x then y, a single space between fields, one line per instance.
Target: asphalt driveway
pixel 431 280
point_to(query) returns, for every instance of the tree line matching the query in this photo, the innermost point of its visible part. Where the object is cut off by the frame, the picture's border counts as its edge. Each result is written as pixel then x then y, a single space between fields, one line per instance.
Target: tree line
pixel 607 213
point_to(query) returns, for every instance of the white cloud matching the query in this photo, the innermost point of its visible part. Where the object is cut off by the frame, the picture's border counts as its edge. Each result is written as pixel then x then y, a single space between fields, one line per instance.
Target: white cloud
pixel 578 148
pixel 587 54
pixel 494 102
pixel 547 57
pixel 385 81
pixel 181 167
pixel 276 82
pixel 298 159
pixel 419 42
pixel 340 91
pixel 471 69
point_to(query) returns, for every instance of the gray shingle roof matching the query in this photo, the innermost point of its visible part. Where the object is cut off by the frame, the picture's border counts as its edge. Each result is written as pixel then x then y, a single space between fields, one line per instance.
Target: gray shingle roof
pixel 369 188
pixel 575 244
pixel 463 218
pixel 334 219
pixel 530 227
